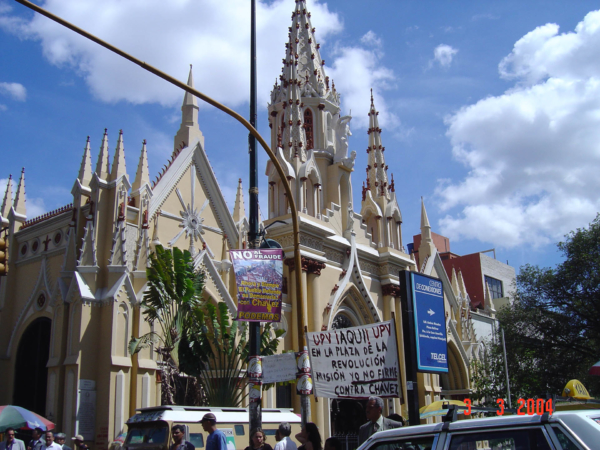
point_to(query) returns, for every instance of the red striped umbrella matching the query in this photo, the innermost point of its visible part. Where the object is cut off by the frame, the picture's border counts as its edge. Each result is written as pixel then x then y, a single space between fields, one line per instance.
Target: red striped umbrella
pixel 595 370
pixel 17 417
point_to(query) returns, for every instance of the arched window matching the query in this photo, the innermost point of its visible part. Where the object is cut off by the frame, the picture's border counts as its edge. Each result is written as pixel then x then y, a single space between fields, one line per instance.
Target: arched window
pixel 308 128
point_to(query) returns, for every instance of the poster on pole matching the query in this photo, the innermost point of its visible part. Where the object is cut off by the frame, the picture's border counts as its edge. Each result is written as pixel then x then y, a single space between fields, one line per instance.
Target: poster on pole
pixel 258 276
pixel 278 368
pixel 355 362
pixel 430 324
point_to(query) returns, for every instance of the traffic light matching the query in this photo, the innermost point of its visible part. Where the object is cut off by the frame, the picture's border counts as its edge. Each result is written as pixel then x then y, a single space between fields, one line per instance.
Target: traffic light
pixel 3 256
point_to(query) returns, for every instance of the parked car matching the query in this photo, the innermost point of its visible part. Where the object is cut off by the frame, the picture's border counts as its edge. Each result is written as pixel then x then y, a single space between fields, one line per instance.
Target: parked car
pixel 562 430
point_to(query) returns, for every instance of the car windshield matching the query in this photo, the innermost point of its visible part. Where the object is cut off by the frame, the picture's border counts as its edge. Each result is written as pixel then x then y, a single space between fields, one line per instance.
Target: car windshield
pixel 153 434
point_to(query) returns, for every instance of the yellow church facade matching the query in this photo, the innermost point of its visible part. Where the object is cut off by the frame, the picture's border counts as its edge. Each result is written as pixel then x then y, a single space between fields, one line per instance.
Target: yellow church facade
pixel 71 300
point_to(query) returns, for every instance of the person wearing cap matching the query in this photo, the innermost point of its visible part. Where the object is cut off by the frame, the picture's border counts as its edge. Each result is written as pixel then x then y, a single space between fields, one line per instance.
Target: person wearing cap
pixel 216 438
pixel 11 442
pixel 79 444
pixel 179 443
pixel 60 438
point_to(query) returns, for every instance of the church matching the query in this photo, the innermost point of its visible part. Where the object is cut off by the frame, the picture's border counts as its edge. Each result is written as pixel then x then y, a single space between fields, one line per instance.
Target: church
pixel 71 300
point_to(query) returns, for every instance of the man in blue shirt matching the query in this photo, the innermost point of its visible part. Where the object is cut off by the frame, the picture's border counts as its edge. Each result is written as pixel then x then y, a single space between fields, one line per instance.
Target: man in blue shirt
pixel 216 438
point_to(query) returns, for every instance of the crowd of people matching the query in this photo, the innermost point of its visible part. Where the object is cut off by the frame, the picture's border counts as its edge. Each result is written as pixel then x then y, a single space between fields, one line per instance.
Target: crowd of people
pixel 309 436
pixel 42 440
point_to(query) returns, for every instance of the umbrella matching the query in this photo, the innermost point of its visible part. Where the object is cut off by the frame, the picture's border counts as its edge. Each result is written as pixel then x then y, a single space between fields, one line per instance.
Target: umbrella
pixel 17 417
pixel 436 408
pixel 595 370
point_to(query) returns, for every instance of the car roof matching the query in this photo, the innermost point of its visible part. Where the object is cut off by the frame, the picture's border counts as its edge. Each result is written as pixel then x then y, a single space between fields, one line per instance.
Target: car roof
pixel 570 418
pixel 187 414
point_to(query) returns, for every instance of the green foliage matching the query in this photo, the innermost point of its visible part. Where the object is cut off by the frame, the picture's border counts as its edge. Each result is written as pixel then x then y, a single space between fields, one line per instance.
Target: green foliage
pixel 552 330
pixel 174 290
pixel 216 350
pixel 173 294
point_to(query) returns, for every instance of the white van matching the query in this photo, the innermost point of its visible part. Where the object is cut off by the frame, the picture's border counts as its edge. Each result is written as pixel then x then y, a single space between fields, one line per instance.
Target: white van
pixel 150 428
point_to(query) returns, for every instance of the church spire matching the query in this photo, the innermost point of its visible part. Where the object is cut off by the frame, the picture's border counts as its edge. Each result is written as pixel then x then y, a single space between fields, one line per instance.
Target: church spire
pixel 427 247
pixel 118 167
pixel 189 129
pixel 85 170
pixel 303 47
pixel 102 166
pixel 294 139
pixel 142 176
pixel 239 210
pixel 7 201
pixel 377 179
pixel 19 203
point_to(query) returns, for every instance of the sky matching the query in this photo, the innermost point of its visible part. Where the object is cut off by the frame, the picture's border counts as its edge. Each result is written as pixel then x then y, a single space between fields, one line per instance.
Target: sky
pixel 490 110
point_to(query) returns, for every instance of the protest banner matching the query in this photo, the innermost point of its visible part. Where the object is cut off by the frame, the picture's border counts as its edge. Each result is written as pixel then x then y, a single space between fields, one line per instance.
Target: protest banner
pixel 355 362
pixel 258 276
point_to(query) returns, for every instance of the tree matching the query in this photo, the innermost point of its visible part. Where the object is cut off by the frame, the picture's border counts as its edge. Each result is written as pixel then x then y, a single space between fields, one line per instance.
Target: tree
pixel 203 351
pixel 216 350
pixel 552 330
pixel 173 294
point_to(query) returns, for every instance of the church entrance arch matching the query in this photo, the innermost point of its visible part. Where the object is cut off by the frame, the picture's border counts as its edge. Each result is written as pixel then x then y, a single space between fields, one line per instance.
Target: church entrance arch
pixel 347 415
pixel 31 374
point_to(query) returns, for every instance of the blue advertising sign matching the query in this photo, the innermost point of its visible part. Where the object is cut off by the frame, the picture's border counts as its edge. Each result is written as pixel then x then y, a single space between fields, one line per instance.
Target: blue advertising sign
pixel 430 324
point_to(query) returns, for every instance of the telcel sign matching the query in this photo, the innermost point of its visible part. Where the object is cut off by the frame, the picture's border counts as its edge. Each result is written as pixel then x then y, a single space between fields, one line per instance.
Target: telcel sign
pixel 430 324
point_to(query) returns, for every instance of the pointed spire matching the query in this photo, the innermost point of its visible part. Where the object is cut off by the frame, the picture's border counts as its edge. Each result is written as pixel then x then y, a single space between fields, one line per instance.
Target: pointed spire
pixel 461 284
pixel 142 176
pixel 189 129
pixel 304 48
pixel 454 283
pixel 19 203
pixel 118 166
pixel 103 165
pixel 85 171
pixel 424 218
pixel 239 210
pixel 190 103
pixel 427 247
pixel 7 201
pixel 376 169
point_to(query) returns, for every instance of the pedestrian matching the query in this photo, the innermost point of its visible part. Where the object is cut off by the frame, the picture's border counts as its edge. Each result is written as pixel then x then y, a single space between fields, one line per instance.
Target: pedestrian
pixel 11 442
pixel 258 440
pixel 37 442
pixel 179 443
pixel 282 435
pixel 50 444
pixel 332 443
pixel 309 437
pixel 60 438
pixel 376 421
pixel 78 443
pixel 216 438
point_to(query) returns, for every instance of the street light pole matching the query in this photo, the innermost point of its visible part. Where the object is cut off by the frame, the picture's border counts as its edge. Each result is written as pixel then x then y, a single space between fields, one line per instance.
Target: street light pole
pixel 255 411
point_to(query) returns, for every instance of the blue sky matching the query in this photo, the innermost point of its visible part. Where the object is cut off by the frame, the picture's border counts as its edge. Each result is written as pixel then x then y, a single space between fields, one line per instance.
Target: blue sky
pixel 490 110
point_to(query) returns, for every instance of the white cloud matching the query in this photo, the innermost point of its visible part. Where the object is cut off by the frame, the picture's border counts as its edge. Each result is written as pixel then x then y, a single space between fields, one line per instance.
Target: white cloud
pixel 532 153
pixel 212 35
pixel 443 55
pixel 14 90
pixel 35 207
pixel 356 70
